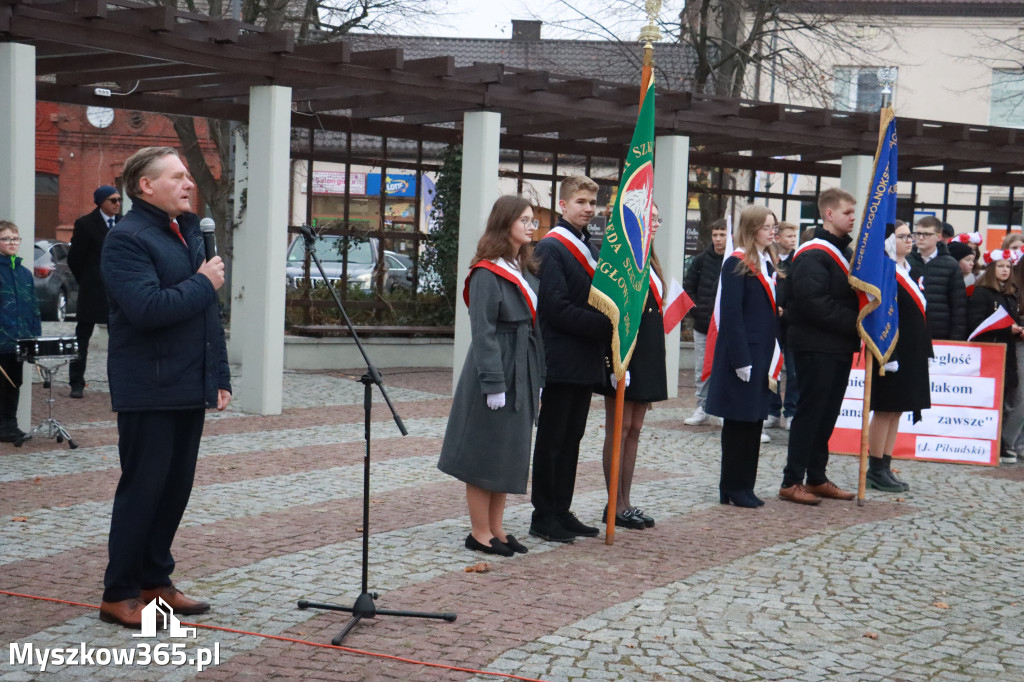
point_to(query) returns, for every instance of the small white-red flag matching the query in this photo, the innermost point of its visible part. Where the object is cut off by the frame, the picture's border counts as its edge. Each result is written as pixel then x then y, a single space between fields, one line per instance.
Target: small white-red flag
pixel 676 306
pixel 1000 319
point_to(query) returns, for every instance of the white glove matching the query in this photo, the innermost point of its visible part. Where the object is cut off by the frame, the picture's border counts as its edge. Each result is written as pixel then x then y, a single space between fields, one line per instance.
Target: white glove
pixel 893 366
pixel 744 372
pixel 496 401
pixel 615 382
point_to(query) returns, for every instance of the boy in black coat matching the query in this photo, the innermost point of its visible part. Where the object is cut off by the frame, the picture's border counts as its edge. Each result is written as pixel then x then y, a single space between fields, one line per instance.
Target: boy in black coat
pixel 701 284
pixel 821 311
pixel 575 337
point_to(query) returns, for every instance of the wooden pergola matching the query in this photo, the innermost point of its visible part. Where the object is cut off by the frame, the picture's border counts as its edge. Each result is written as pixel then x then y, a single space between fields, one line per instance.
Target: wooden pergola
pixel 158 59
pixel 127 55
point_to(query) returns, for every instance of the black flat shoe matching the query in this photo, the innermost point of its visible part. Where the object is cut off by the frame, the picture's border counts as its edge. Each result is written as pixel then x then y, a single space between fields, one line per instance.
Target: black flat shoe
pixel 496 546
pixel 640 514
pixel 514 545
pixel 627 520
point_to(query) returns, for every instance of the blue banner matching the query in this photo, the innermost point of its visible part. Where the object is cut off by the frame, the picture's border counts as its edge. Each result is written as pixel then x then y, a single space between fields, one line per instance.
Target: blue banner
pixel 872 272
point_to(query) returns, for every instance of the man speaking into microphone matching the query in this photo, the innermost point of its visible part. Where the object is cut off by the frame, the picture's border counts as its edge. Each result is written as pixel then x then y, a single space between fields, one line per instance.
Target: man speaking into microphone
pixel 167 363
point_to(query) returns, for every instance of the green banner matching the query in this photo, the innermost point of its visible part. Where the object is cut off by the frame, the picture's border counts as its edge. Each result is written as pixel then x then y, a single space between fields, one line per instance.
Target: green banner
pixel 622 277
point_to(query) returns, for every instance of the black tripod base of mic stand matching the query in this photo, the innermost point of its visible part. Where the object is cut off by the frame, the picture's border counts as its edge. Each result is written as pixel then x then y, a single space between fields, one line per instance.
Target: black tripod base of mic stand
pixel 365 608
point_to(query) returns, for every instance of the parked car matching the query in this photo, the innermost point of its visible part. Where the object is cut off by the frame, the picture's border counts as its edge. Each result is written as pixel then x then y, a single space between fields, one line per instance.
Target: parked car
pixel 400 274
pixel 399 271
pixel 361 257
pixel 56 287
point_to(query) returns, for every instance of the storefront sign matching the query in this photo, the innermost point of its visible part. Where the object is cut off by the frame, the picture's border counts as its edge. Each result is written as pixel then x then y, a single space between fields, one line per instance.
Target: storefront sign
pixel 333 182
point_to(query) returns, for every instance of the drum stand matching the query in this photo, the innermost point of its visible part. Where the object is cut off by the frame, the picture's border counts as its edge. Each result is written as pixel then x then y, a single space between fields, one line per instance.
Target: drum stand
pixel 50 427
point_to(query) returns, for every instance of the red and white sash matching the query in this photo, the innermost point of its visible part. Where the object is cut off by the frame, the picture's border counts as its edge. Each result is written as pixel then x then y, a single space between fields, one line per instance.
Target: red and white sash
pixel 577 248
pixel 502 268
pixel 830 249
pixel 910 286
pixel 658 289
pixel 969 281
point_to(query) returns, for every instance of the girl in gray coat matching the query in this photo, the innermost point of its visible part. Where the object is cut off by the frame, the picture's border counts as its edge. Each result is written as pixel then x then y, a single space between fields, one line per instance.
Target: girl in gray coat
pixel 489 435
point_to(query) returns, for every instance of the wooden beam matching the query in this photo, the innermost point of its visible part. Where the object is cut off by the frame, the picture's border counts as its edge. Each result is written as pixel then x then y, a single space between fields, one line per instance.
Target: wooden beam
pixel 381 59
pixel 431 66
pixel 159 19
pixel 334 53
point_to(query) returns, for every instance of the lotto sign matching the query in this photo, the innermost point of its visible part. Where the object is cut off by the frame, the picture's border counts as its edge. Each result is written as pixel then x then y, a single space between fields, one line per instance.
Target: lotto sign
pixel 963 423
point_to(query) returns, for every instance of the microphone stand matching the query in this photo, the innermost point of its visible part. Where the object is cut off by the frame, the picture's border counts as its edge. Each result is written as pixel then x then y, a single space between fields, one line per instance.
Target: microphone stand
pixel 364 606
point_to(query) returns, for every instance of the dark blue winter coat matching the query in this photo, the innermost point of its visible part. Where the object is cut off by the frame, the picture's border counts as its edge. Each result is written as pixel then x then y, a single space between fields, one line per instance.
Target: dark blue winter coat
pixel 746 336
pixel 19 310
pixel 166 349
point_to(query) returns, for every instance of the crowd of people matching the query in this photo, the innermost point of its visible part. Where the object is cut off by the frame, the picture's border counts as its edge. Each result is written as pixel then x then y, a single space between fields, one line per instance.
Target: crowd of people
pixel 781 355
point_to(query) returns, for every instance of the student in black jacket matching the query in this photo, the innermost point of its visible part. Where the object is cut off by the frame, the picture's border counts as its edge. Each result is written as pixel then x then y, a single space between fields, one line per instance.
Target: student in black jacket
pixel 701 285
pixel 944 288
pixel 821 311
pixel 575 336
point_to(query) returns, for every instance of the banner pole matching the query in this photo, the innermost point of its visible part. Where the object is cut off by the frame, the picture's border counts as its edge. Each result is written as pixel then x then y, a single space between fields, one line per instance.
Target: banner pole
pixel 613 474
pixel 865 423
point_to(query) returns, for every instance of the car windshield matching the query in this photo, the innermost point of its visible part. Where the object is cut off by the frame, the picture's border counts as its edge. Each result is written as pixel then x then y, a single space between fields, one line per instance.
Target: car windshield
pixel 330 249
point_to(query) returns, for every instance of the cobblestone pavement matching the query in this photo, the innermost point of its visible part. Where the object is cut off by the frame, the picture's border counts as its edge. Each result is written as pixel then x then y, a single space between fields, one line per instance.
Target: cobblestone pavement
pixel 925 585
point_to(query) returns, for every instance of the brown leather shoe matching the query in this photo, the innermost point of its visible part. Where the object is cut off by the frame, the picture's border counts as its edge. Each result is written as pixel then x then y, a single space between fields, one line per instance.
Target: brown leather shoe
pixel 127 612
pixel 176 600
pixel 797 493
pixel 830 490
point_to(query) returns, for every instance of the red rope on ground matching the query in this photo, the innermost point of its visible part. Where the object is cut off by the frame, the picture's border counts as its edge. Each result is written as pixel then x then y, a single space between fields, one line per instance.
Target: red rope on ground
pixel 301 641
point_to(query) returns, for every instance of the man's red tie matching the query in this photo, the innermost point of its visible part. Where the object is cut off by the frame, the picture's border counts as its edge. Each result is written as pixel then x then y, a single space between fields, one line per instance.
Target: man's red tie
pixel 177 230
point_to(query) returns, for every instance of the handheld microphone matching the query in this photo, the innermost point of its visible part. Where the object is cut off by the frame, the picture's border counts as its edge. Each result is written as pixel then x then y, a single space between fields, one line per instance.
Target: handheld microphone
pixel 209 238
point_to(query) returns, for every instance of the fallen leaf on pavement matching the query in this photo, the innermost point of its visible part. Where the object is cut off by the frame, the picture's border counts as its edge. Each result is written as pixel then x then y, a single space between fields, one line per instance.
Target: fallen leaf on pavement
pixel 871 635
pixel 481 567
pixel 20 519
pixel 941 605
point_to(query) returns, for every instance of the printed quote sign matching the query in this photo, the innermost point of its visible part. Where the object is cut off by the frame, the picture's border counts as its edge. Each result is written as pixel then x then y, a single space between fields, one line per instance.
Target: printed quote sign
pixel 963 423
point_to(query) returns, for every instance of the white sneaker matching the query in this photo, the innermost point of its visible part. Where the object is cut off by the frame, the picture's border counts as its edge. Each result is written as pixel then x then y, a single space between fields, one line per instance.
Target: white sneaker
pixel 764 437
pixel 789 423
pixel 698 417
pixel 771 422
pixel 1008 458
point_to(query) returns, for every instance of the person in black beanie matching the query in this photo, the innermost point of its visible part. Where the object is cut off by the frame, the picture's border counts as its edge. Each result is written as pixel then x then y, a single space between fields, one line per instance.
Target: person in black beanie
pixel 84 261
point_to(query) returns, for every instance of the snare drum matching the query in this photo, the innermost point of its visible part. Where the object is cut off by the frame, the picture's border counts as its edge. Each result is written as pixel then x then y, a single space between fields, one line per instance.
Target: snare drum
pixel 59 347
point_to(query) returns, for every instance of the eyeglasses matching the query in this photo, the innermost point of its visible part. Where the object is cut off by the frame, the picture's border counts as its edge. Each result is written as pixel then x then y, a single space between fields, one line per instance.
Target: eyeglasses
pixel 10 240
pixel 904 237
pixel 922 235
pixel 114 200
pixel 655 221
pixel 527 223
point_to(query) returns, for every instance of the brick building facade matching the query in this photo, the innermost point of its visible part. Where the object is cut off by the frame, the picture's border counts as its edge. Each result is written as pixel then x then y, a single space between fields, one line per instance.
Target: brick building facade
pixel 78 150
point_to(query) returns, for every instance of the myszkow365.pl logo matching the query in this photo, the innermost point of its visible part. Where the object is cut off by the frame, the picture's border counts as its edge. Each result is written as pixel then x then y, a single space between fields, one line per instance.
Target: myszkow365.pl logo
pixel 143 653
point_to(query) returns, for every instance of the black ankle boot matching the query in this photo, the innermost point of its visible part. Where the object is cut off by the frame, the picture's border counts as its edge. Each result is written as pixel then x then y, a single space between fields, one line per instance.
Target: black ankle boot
pixel 887 461
pixel 879 479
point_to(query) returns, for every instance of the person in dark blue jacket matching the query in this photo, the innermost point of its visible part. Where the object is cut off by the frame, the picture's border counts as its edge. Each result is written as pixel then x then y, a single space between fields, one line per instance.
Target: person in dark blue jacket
pixel 740 371
pixel 19 319
pixel 167 363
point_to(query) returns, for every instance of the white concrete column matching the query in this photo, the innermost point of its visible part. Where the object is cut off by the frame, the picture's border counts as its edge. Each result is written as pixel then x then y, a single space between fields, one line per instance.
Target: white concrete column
pixel 481 132
pixel 257 297
pixel 240 189
pixel 18 165
pixel 671 182
pixel 855 178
